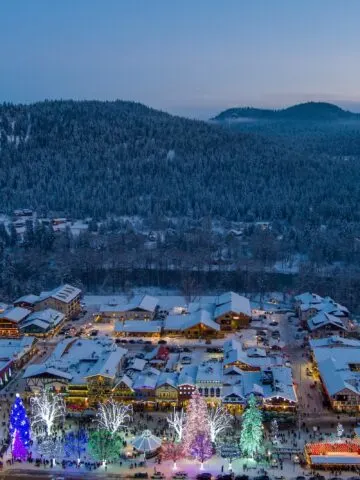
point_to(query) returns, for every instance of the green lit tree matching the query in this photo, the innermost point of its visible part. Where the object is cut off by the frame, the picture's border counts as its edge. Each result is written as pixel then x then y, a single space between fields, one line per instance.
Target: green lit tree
pixel 104 446
pixel 251 437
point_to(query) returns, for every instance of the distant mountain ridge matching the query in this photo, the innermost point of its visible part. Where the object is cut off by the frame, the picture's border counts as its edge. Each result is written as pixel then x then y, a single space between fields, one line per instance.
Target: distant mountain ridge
pixel 309 111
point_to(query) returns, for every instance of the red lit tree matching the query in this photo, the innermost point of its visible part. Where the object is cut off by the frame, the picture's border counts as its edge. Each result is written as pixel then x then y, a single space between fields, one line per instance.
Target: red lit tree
pixel 172 451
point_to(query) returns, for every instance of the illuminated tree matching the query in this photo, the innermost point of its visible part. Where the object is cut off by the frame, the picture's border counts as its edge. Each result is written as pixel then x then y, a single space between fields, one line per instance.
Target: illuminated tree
pixel 172 451
pixel 47 409
pixel 274 431
pixel 197 421
pixel 251 437
pixel 112 416
pixel 18 450
pixel 219 420
pixel 105 446
pixel 176 421
pixel 339 431
pixel 19 421
pixel 75 443
pixel 50 447
pixel 201 449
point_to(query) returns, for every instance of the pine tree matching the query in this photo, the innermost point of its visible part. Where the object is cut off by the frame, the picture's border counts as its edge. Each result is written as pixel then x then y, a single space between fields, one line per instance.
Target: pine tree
pixel 197 421
pixel 252 429
pixel 18 421
pixel 18 450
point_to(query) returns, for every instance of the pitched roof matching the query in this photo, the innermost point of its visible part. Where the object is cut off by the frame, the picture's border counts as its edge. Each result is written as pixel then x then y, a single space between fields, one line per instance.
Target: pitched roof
pixel 232 302
pixel 184 322
pixel 15 314
pixel 323 319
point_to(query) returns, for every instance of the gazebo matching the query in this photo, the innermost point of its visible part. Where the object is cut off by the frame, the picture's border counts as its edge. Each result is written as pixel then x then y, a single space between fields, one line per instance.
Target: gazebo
pixel 146 442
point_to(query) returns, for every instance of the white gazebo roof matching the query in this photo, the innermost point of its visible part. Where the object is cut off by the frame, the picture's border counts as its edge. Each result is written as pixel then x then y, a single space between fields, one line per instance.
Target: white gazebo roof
pixel 146 442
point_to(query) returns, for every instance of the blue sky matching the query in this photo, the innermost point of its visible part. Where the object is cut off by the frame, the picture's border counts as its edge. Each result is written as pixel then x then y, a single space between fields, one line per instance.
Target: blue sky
pixel 192 57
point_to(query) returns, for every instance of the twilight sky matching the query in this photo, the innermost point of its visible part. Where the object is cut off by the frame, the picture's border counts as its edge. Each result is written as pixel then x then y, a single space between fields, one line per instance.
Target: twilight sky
pixel 191 57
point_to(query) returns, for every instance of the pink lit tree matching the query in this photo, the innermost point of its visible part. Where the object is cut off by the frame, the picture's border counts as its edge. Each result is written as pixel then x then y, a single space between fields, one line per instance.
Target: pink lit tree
pixel 172 451
pixel 19 451
pixel 201 449
pixel 197 422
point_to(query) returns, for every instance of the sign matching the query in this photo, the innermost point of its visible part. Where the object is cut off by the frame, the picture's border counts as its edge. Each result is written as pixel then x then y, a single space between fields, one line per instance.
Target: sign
pixel 229 451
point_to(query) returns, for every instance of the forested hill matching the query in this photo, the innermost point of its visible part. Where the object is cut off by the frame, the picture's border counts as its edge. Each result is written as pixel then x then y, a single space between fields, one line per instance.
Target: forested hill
pixel 122 158
pixel 309 111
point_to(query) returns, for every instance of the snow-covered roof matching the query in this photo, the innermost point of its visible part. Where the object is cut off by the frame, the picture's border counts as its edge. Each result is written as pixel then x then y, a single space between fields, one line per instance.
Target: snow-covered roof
pixel 334 341
pixel 15 314
pixel 138 326
pixel 146 380
pixel 232 302
pixel 126 380
pixel 188 375
pixel 308 297
pixel 137 364
pixel 44 320
pixel 15 348
pixel 209 373
pixel 184 322
pixel 234 352
pixel 145 303
pixel 65 293
pixel 335 368
pixel 40 369
pixel 30 298
pixel 82 358
pixel 323 319
pixel 166 378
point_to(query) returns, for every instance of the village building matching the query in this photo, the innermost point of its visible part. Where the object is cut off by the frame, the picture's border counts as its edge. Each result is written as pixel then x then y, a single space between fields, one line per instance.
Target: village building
pixel 65 299
pixel 138 328
pixel 14 353
pixel 10 321
pixel 84 370
pixel 338 365
pixel 142 307
pixel 43 324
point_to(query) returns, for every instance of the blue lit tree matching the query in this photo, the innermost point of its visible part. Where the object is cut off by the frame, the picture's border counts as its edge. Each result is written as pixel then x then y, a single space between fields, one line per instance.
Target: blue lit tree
pixel 19 421
pixel 75 443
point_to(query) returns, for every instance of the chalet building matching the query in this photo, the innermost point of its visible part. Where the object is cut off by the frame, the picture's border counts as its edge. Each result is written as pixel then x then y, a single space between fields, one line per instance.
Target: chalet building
pixel 65 299
pixel 10 321
pixel 338 365
pixel 186 384
pixel 27 301
pixel 307 305
pixel 14 353
pixel 232 312
pixel 43 324
pixel 138 328
pixel 166 392
pixel 140 308
pixel 84 370
pixel 198 324
pixel 123 390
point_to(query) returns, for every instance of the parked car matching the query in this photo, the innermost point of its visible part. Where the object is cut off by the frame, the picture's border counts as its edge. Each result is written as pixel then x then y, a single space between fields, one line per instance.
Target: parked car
pixel 162 342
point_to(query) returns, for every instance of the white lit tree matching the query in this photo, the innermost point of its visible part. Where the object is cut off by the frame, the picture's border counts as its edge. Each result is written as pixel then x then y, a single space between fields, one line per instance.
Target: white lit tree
pixel 47 409
pixel 274 431
pixel 339 431
pixel 219 420
pixel 176 421
pixel 51 448
pixel 252 431
pixel 112 416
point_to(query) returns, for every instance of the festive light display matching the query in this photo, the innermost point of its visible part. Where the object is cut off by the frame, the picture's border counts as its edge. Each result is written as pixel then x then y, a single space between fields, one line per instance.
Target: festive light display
pixel 197 421
pixel 172 451
pixel 18 421
pixel 177 421
pixel 75 443
pixel 105 447
pixel 219 420
pixel 274 431
pixel 339 431
pixel 111 416
pixel 252 429
pixel 47 409
pixel 201 449
pixel 51 448
pixel 18 450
